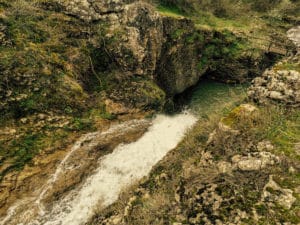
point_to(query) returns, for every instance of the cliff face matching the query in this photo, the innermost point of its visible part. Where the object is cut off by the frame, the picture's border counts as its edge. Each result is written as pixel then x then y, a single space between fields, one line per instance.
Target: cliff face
pixel 124 52
pixel 177 68
pixel 75 49
pixel 137 28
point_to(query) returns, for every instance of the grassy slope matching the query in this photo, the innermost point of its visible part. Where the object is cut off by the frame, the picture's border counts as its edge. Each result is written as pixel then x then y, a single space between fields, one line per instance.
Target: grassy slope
pixel 241 18
pixel 31 46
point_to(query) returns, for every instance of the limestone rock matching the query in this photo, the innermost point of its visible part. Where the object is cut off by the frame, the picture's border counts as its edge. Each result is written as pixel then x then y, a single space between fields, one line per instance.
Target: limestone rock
pixel 254 161
pixel 224 167
pixel 276 86
pixel 89 10
pixel 226 125
pixel 265 146
pixel 294 35
pixel 274 193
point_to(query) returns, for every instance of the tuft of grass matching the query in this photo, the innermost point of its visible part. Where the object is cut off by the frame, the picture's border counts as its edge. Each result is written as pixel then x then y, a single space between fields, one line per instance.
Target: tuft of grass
pixel 19 152
pixel 170 11
pixel 288 66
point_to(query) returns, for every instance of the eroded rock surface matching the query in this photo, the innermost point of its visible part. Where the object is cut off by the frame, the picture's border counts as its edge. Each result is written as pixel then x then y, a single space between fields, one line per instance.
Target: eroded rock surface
pixel 177 67
pixel 90 10
pixel 281 83
pixel 254 161
pixel 281 86
pixel 273 193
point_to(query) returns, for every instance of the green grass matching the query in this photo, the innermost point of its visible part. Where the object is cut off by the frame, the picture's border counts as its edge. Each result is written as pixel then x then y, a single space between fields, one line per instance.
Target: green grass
pixel 209 20
pixel 19 152
pixel 288 66
pixel 284 131
pixel 241 18
pixel 223 46
pixel 172 11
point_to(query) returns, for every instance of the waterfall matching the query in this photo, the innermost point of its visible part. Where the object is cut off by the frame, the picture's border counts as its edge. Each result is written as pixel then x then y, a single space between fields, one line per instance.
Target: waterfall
pixel 127 164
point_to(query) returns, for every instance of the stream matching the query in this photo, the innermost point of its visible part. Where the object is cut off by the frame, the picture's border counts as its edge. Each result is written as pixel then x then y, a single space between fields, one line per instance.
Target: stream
pixel 126 165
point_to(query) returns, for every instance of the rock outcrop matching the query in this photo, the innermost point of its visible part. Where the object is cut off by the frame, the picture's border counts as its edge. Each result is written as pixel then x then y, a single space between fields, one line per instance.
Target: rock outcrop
pixel 92 10
pixel 177 68
pixel 274 194
pixel 294 35
pixel 127 50
pixel 281 83
pixel 123 50
pixel 281 86
pixel 133 32
pixel 169 50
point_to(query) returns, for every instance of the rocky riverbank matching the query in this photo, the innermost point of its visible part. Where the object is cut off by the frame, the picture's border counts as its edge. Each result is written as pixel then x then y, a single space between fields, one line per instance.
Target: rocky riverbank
pixel 69 68
pixel 240 169
pixel 52 174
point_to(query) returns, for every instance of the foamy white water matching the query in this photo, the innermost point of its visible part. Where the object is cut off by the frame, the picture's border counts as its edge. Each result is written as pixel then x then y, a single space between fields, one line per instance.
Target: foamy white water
pixel 118 170
pixel 25 208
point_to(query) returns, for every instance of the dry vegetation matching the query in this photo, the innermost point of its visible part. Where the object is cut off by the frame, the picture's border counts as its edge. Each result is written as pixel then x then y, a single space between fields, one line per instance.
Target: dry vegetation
pixel 171 193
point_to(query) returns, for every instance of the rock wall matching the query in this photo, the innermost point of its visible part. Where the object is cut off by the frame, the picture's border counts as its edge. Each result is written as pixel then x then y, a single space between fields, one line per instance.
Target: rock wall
pixel 167 50
pixel 123 50
pixel 140 44
pixel 133 32
pixel 177 67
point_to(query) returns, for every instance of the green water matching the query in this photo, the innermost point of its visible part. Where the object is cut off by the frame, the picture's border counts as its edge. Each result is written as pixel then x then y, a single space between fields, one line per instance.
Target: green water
pixel 211 97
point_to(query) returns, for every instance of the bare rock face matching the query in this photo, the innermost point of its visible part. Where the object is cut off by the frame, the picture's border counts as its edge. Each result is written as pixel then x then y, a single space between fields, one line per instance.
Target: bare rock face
pixel 134 32
pixel 277 86
pixel 139 49
pixel 127 37
pixel 282 82
pixel 140 42
pixel 294 35
pixel 177 68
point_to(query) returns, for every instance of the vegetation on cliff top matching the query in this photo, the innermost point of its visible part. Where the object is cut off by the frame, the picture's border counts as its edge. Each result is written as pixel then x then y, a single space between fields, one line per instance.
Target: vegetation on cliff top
pixel 257 20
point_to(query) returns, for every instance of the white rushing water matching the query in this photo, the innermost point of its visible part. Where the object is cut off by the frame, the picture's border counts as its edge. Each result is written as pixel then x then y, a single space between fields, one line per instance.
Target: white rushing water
pixel 20 210
pixel 118 170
